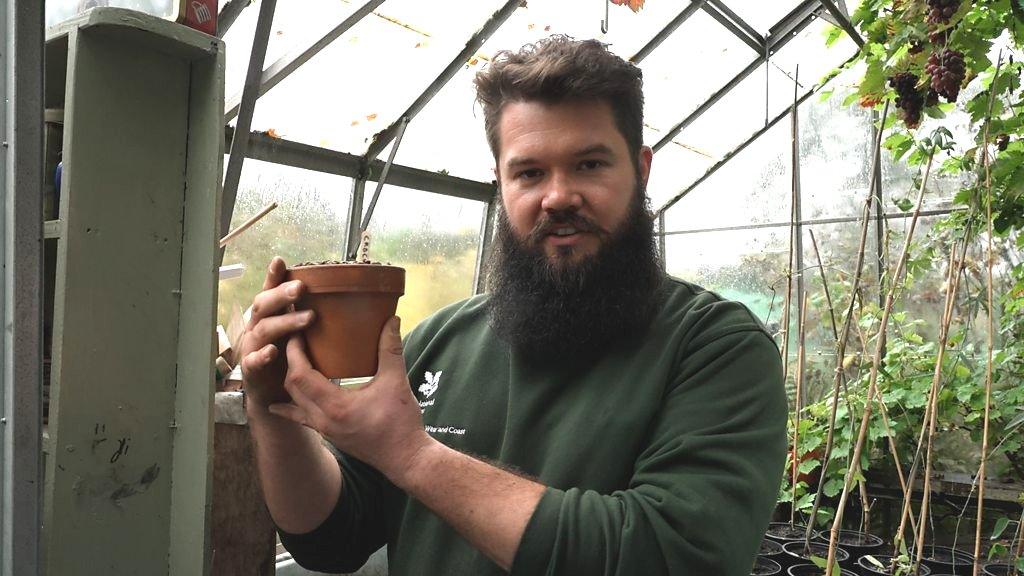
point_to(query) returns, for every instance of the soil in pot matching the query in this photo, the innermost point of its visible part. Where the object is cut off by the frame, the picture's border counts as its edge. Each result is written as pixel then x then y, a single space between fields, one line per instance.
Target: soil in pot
pixel 855 542
pixel 799 553
pixel 785 532
pixel 812 570
pixel 765 567
pixel 948 560
pixel 869 568
pixel 352 302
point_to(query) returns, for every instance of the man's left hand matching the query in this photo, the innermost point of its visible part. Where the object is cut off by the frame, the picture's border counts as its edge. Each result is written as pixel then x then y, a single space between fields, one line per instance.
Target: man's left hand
pixel 378 423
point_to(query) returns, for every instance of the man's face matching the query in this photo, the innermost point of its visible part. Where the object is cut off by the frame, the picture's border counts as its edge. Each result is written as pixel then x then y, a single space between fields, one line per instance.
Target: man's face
pixel 566 176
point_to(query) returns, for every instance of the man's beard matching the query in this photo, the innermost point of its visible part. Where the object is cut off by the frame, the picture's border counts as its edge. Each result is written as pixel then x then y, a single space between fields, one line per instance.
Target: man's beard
pixel 551 308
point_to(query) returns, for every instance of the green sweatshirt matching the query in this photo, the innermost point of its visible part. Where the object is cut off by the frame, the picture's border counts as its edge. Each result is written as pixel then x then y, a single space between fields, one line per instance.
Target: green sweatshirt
pixel 663 457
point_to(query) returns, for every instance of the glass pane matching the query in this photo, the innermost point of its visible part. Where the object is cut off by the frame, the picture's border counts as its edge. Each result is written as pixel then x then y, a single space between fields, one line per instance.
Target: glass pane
pixel 744 265
pixel 675 166
pixel 837 246
pixel 308 224
pixel 362 82
pixel 762 15
pixel 689 66
pixel 435 238
pixel 296 26
pixel 753 188
pixel 835 153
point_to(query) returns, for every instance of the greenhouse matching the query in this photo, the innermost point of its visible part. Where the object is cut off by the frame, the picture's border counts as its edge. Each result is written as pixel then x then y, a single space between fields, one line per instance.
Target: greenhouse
pixel 707 287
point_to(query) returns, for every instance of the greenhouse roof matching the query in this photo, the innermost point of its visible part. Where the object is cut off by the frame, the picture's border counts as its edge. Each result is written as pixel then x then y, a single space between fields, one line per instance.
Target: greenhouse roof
pixel 342 77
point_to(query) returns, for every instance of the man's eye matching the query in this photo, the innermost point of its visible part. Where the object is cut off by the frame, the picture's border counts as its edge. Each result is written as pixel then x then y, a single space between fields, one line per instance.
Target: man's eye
pixel 528 174
pixel 591 164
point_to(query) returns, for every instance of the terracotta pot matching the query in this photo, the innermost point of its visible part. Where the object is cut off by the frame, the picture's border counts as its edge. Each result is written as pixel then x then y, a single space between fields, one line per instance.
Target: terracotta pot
pixel 352 303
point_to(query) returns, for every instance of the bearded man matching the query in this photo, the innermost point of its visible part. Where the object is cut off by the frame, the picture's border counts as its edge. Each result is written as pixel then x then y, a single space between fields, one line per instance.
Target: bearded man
pixel 587 415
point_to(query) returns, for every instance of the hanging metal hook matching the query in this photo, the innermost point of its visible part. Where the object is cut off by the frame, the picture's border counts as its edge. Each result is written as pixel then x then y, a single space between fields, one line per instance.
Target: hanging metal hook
pixel 604 23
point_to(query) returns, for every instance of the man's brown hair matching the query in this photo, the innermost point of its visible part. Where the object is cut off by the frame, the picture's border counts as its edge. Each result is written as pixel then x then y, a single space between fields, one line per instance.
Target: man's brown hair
pixel 559 69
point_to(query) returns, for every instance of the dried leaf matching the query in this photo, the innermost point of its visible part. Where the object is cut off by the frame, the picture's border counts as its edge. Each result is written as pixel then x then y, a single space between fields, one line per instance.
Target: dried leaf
pixel 273 133
pixel 547 28
pixel 474 61
pixel 634 5
pixel 371 117
pixel 530 26
pixel 354 123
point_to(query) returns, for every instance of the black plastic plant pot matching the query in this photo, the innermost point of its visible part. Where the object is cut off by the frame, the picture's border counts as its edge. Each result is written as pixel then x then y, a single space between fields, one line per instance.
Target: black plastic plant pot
pixel 770 549
pixel 997 569
pixel 785 532
pixel 948 560
pixel 855 542
pixel 869 568
pixel 801 554
pixel 765 567
pixel 812 570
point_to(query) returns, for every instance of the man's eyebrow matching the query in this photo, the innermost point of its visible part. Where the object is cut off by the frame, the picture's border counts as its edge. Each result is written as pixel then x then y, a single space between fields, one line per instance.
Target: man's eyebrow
pixel 604 149
pixel 595 149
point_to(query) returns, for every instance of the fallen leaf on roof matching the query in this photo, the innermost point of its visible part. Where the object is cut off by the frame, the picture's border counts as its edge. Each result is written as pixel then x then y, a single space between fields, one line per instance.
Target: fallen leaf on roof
pixel 273 133
pixel 474 61
pixel 547 28
pixel 634 5
pixel 371 117
pixel 529 26
pixel 354 123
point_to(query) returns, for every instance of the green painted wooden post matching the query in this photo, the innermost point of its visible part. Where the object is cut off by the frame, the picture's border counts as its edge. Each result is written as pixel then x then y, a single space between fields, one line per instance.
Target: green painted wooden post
pixel 130 432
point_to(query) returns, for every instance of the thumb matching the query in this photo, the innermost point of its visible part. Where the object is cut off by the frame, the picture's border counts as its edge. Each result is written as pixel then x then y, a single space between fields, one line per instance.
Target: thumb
pixel 389 357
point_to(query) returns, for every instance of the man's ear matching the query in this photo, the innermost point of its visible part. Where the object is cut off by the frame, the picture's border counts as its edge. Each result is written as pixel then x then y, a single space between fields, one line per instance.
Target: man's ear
pixel 644 160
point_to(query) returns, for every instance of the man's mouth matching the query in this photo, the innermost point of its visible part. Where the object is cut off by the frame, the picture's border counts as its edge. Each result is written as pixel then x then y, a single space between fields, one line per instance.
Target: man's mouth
pixel 564 231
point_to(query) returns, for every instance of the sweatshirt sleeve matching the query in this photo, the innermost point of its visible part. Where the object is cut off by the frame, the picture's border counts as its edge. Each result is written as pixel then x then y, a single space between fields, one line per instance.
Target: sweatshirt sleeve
pixel 354 530
pixel 702 491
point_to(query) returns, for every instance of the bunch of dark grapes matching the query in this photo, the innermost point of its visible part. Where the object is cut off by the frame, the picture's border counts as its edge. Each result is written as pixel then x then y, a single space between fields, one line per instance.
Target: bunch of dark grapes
pixel 909 99
pixel 947 70
pixel 941 11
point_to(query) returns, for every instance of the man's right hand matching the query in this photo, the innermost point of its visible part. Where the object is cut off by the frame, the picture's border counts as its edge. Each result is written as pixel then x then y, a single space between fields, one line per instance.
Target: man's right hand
pixel 272 320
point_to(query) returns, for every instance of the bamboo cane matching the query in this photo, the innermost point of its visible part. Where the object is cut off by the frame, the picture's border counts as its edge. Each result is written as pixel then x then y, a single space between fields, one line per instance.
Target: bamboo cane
pixel 844 334
pixel 952 284
pixel 245 225
pixel 854 466
pixel 796 414
pixel 991 327
pixel 793 217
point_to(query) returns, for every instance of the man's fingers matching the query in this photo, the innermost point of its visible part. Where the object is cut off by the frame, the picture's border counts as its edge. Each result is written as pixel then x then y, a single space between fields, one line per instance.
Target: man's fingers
pixel 258 359
pixel 296 353
pixel 275 328
pixel 275 273
pixel 275 300
pixel 303 381
pixel 389 355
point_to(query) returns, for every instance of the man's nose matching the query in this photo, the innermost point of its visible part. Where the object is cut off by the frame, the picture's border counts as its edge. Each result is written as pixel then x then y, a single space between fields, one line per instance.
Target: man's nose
pixel 561 195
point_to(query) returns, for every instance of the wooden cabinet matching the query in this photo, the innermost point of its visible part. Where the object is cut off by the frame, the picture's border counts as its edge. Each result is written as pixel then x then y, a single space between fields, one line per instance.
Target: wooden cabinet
pixel 134 260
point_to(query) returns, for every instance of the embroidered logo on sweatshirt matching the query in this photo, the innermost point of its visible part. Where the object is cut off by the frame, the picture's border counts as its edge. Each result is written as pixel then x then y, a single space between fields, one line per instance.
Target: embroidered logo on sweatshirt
pixel 430 386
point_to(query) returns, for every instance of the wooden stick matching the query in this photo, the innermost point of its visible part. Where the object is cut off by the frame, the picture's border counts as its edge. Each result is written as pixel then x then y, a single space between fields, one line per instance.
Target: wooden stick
pixel 245 225
pixel 796 413
pixel 844 334
pixel 991 327
pixel 854 464
pixel 793 217
pixel 952 287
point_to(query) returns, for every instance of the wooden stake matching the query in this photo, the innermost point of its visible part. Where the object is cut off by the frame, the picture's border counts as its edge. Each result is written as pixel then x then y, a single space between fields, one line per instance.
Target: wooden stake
pixel 796 413
pixel 245 225
pixel 854 465
pixel 844 334
pixel 991 327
